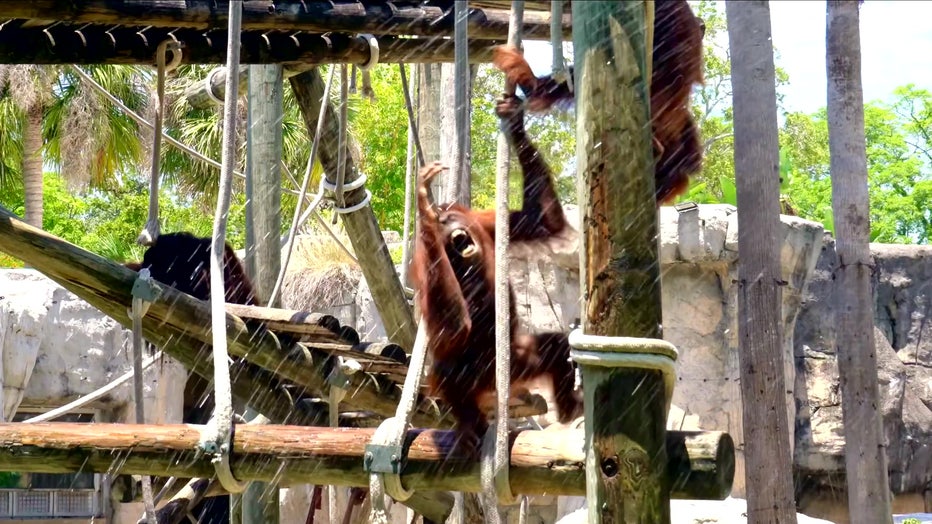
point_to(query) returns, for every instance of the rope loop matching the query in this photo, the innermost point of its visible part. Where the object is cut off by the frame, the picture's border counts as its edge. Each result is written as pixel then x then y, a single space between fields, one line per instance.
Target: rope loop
pixel 373 51
pixel 495 474
pixel 209 86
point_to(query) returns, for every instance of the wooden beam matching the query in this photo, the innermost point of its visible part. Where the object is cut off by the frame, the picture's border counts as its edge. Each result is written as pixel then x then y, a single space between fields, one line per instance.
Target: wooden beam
pixel 312 16
pixel 124 45
pixel 549 462
pixel 343 49
pixel 361 225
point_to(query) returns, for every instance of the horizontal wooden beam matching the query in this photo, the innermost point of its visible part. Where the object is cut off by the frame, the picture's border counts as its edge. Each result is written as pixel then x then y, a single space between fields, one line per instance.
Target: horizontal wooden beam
pixel 66 44
pixel 549 462
pixel 391 50
pixel 312 16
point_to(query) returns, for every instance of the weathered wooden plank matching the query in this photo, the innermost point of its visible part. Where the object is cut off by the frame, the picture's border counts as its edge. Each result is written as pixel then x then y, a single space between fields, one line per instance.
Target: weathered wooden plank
pixel 313 16
pixel 101 44
pixel 549 462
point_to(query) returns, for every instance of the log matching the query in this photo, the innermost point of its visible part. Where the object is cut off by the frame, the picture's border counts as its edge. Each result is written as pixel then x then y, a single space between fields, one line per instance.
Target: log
pixel 361 225
pixel 124 46
pixel 343 49
pixel 312 16
pixel 550 462
pixel 309 327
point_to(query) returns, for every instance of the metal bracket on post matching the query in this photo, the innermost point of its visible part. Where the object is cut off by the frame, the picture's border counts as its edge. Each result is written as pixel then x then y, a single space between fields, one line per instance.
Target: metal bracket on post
pixel 626 352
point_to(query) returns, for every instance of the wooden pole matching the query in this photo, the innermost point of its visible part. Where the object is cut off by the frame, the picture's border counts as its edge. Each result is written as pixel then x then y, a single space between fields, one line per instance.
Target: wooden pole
pixel 866 458
pixel 767 435
pixel 259 502
pixel 297 52
pixel 311 16
pixel 361 226
pixel 625 403
pixel 549 462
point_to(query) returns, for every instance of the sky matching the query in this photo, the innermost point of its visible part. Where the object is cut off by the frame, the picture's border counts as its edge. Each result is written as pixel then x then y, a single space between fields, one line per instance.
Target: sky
pixel 896 49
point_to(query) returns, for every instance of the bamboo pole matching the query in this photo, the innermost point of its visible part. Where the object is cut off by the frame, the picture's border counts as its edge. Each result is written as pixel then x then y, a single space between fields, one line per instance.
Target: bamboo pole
pixel 311 16
pixel 548 462
pixel 627 383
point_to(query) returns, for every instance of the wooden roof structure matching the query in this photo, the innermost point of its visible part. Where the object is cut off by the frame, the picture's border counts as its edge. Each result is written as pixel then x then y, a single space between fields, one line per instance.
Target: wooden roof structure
pixel 288 32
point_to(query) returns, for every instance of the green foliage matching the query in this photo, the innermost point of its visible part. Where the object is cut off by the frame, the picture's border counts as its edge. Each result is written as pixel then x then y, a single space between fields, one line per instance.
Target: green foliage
pixel 911 520
pixel 107 222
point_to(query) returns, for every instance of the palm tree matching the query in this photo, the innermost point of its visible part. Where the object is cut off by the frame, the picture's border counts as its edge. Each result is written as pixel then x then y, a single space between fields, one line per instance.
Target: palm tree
pixel 51 118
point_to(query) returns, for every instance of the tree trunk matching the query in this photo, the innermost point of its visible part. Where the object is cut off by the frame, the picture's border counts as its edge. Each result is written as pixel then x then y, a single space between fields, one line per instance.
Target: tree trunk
pixel 865 457
pixel 760 331
pixel 32 165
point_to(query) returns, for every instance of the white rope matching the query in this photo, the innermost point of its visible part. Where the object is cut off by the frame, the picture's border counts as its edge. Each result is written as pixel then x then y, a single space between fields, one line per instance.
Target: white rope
pixel 409 180
pixel 94 395
pixel 373 61
pixel 209 85
pixel 341 144
pixel 496 459
pixel 139 308
pixel 216 437
pixel 338 379
pixel 150 231
pixel 391 434
pixel 304 183
pixel 145 123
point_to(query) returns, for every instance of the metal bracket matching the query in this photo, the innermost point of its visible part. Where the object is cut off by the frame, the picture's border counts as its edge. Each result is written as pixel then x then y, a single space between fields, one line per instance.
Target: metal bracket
pixel 383 459
pixel 143 288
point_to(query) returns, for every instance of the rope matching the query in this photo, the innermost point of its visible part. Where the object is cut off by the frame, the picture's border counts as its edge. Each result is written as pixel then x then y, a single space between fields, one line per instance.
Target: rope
pixel 94 395
pixel 216 437
pixel 145 123
pixel 409 180
pixel 461 105
pixel 338 379
pixel 495 458
pixel 304 183
pixel 373 61
pixel 389 437
pixel 150 232
pixel 338 194
pixel 412 122
pixel 141 299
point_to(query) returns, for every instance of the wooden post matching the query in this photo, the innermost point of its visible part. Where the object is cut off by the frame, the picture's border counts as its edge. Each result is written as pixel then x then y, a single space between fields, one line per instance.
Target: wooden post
pixel 259 503
pixel 866 458
pixel 361 226
pixel 627 382
pixel 760 328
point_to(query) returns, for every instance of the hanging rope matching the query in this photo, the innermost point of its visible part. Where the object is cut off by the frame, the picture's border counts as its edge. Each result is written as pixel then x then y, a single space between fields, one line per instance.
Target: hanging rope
pixel 412 122
pixel 339 379
pixel 338 194
pixel 216 437
pixel 495 452
pixel 150 232
pixel 143 295
pixel 385 454
pixel 304 183
pixel 409 179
